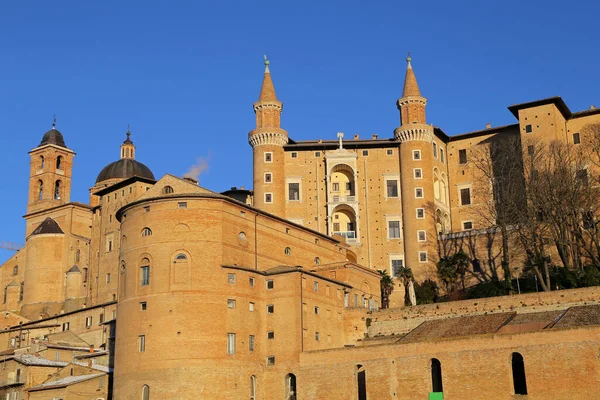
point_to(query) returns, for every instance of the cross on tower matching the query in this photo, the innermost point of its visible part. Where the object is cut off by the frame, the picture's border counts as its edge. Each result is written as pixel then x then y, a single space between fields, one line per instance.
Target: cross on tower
pixel 340 135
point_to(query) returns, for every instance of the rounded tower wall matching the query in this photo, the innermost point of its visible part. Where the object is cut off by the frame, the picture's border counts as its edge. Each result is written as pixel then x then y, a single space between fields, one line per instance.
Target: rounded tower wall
pixel 44 269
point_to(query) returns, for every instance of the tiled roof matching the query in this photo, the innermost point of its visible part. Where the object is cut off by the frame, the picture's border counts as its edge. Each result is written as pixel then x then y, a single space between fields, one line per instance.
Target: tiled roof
pixel 62 382
pixel 47 226
pixel 579 316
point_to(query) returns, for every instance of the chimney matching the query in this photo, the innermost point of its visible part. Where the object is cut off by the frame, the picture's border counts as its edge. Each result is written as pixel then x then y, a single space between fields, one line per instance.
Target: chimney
pixel 488 125
pixel 91 348
pixel 190 179
pixel 356 136
pixel 374 136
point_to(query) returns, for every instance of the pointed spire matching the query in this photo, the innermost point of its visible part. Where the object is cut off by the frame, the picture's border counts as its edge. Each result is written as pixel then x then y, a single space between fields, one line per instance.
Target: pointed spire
pixel 54 122
pixel 267 92
pixel 128 133
pixel 411 88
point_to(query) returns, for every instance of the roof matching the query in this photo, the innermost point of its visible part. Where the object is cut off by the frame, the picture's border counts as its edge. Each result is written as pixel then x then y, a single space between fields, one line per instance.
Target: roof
pixel 53 136
pixel 556 100
pixel 47 226
pixel 64 382
pixel 411 88
pixel 579 316
pixel 74 268
pixel 35 360
pixel 123 169
pixel 123 183
pixel 267 91
pixel 97 367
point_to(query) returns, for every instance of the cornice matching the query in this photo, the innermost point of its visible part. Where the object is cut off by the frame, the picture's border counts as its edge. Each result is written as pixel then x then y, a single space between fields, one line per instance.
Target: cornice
pixel 414 132
pixel 268 136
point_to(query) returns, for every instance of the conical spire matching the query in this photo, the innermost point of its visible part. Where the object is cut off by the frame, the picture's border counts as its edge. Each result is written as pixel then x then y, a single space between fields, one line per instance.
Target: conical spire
pixel 267 92
pixel 411 88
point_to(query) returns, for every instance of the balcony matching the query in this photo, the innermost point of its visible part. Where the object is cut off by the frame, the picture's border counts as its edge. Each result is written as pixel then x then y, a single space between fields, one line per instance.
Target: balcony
pixel 350 236
pixel 343 199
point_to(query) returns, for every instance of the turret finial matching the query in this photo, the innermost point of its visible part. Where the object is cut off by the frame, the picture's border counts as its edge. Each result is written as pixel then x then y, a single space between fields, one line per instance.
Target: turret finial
pixel 54 122
pixel 408 59
pixel 267 62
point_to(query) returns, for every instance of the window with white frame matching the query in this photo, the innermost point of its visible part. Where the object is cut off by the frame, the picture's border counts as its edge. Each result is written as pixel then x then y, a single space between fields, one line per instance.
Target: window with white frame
pixel 268 197
pixel 418 173
pixel 251 306
pixel 421 236
pixel 270 284
pixel 335 187
pixel 231 279
pixel 419 193
pixel 88 322
pixel 294 191
pixel 271 360
pixel 396 264
pixel 467 225
pixel 442 156
pixel 416 154
pixel 420 213
pixel 391 187
pixel 230 303
pixel 231 343
pixel 268 177
pixel 435 149
pixel 394 229
pixel 465 195
pixel 423 256
pixel 268 157
pixel 142 343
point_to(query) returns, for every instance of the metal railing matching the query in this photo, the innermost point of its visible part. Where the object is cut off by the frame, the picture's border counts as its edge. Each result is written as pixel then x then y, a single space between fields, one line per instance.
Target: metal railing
pixel 349 235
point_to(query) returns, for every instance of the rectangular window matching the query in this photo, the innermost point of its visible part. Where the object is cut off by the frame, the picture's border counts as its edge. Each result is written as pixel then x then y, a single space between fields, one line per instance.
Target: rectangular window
pixel 317 336
pixel 271 360
pixel 390 152
pixel 392 187
pixel 422 256
pixel 421 236
pixel 355 300
pixel 349 186
pixel 576 138
pixel 335 187
pixel 418 173
pixel 147 208
pixel 145 270
pixel 467 225
pixel 465 196
pixel 251 306
pixel 143 305
pixel 346 299
pixel 182 204
pixel 294 154
pixel 231 343
pixel 107 279
pixel 268 157
pixel 316 286
pixel 317 154
pixel 530 149
pixel 462 156
pixel 270 284
pixel 419 193
pixel 435 150
pixel 416 154
pixel 528 129
pixel 251 281
pixel 268 177
pixel 142 343
pixel 270 335
pixel 365 152
pixel 230 303
pixel 317 310
pixel 268 197
pixel 251 343
pixel 101 318
pixel 270 309
pixel 393 229
pixel 397 265
pixel 442 156
pixel 420 213
pixel 88 322
pixel 294 191
pixel 336 226
pixel 231 279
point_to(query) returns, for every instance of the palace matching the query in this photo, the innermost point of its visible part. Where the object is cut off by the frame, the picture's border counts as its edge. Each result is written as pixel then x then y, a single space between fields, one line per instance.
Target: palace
pixel 160 288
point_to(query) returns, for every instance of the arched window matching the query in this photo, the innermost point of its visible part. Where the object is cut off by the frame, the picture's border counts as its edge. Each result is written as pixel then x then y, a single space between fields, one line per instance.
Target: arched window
pixel 288 251
pixel 59 162
pixel 40 189
pixel 436 376
pixel 126 152
pixel 252 387
pixel 42 162
pixel 145 272
pixel 317 260
pixel 145 392
pixel 146 232
pixel 518 373
pixel 361 382
pixel 167 190
pixel 57 190
pixel 290 387
pixel 181 257
pixel 77 255
pixel 242 236
pixel 15 270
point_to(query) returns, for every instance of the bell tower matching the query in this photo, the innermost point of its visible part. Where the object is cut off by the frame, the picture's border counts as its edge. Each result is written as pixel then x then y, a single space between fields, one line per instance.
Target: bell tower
pixel 51 167
pixel 267 141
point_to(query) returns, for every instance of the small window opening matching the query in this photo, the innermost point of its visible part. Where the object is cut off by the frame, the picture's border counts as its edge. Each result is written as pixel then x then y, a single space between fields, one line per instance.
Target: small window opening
pixel 518 373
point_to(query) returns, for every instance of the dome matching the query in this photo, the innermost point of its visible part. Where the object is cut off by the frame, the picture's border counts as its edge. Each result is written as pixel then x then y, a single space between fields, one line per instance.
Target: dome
pixel 53 136
pixel 123 169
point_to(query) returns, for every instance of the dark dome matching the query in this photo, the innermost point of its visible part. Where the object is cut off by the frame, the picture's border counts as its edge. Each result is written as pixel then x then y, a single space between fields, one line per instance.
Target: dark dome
pixel 123 169
pixel 53 136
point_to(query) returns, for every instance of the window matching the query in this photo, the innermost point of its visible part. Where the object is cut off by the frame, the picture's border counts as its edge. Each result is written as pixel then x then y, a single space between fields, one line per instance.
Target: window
pixel 288 251
pixel 110 245
pixel 418 173
pixel 251 306
pixel 397 265
pixel 361 381
pixel 355 300
pixel 57 190
pixel 294 154
pixel 271 335
pixel 268 157
pixel 268 177
pixel 421 236
pixel 436 376
pixel 422 256
pixel 270 309
pixel 465 196
pixel 392 187
pixel 467 225
pixel 336 226
pixel 231 343
pixel 576 138
pixel 530 149
pixel 231 279
pixel 143 306
pixel 182 204
pixel 435 150
pixel 59 163
pixel 294 191
pixel 442 156
pixel 365 152
pixel 242 236
pixel 317 310
pixel 230 303
pixel 390 152
pixel 462 156
pixel 40 190
pixel 15 270
pixel 419 193
pixel 147 208
pixel 270 284
pixel 101 319
pixel 582 176
pixel 528 129
pixel 251 343
pixel 290 386
pixel 85 275
pixel 393 229
pixel 42 162
pixel 317 260
pixel 66 326
pixel 142 343
pixel 271 360
pixel 317 154
pixel 145 392
pixel 420 213
pixel 316 286
pixel 268 197
pixel 416 154
pixel 251 281
pixel 145 272
pixel 317 336
pixel 146 232
pixel 88 322
pixel 252 386
pixel 77 255
pixel 167 190
pixel 349 186
pixel 335 187
pixel 346 299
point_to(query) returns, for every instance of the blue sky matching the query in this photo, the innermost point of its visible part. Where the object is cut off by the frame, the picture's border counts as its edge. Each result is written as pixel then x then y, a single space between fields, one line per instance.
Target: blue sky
pixel 184 74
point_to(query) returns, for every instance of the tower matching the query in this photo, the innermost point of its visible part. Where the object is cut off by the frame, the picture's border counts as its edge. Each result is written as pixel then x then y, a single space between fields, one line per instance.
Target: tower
pixel 267 141
pixel 415 138
pixel 51 167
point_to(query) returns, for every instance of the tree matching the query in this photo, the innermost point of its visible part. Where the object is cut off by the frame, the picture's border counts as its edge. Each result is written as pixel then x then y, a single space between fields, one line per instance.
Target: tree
pixel 387 287
pixel 406 276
